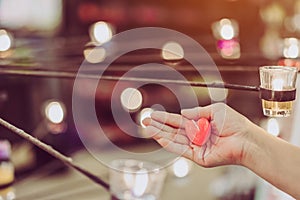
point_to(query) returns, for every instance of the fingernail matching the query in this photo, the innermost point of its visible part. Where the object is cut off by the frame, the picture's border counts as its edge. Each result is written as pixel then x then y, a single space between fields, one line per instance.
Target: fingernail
pixel 146 121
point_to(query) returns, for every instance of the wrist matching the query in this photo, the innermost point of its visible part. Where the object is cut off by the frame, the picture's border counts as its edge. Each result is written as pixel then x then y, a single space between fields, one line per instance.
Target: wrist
pixel 251 144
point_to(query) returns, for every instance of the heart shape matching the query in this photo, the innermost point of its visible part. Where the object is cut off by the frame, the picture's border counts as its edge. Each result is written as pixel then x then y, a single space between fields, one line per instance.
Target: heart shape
pixel 198 132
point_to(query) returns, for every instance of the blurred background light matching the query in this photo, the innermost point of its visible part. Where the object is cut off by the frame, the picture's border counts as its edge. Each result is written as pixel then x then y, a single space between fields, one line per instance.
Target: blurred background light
pixel 172 51
pixel 277 84
pixel 273 14
pixel 33 15
pixel 94 54
pixel 271 44
pixel 55 112
pixel 141 182
pixel 225 29
pixel 181 167
pixel 273 127
pixel 101 32
pixel 137 181
pixel 5 40
pixel 292 23
pixel 229 49
pixel 131 99
pixel 291 48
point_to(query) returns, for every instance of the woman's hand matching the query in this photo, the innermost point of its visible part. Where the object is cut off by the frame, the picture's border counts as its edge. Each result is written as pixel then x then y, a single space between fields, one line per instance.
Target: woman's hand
pixel 227 143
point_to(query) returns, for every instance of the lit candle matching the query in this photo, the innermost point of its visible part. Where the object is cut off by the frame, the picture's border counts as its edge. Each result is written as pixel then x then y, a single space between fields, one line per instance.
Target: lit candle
pixel 291 48
pixel 277 84
pixel 101 32
pixel 277 90
pixel 227 32
pixel 5 41
pixel 134 179
pixel 225 29
pixel 181 168
pixel 95 55
pixel 131 99
pixel 172 51
pixel 273 127
pixel 137 181
pixel 141 182
pixel 55 111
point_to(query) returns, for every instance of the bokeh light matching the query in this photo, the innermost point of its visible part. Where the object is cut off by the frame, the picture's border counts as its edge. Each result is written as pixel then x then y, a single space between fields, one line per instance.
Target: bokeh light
pixel 101 32
pixel 55 112
pixel 227 32
pixel 172 51
pixel 225 29
pixel 95 55
pixel 229 49
pixel 291 48
pixel 181 167
pixel 131 99
pixel 5 40
pixel 273 127
pixel 137 181
pixel 277 84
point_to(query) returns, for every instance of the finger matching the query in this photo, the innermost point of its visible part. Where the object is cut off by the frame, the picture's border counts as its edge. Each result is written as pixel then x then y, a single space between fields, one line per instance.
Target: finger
pixel 180 149
pixel 166 128
pixel 147 121
pixel 197 112
pixel 158 134
pixel 174 120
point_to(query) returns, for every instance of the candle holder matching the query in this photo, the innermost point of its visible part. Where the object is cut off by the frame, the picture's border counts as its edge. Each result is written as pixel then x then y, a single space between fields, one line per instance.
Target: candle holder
pixel 277 90
pixel 135 179
pixel 226 33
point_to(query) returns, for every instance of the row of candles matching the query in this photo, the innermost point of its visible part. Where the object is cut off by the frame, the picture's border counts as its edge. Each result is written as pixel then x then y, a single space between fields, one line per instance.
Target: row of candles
pixel 225 31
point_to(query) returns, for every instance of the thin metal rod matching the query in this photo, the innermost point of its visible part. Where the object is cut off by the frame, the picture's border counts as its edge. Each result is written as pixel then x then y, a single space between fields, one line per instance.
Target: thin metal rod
pixel 47 148
pixel 73 75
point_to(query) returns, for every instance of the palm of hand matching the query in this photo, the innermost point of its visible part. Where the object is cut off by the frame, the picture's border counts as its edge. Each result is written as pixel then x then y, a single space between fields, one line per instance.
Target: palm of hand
pixel 223 147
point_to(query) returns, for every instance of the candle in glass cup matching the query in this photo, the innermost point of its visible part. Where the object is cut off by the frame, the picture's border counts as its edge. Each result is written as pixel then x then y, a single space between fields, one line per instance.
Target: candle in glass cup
pixel 135 180
pixel 277 90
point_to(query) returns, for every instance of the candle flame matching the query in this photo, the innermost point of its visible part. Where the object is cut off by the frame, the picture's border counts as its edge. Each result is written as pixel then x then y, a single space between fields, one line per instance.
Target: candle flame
pixel 137 182
pixel 141 182
pixel 273 127
pixel 227 32
pixel 277 84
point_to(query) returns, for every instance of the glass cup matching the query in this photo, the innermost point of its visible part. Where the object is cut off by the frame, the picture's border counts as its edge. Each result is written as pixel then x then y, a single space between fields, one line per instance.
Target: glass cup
pixel 277 90
pixel 135 180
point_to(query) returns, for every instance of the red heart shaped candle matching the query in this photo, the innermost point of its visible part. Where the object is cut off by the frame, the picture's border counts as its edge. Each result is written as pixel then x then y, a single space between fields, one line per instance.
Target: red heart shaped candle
pixel 198 132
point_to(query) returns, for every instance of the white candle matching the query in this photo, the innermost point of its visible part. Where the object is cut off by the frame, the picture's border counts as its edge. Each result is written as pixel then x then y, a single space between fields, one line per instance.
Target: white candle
pixel 5 41
pixel 227 31
pixel 273 127
pixel 172 51
pixel 137 182
pixel 141 183
pixel 277 84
